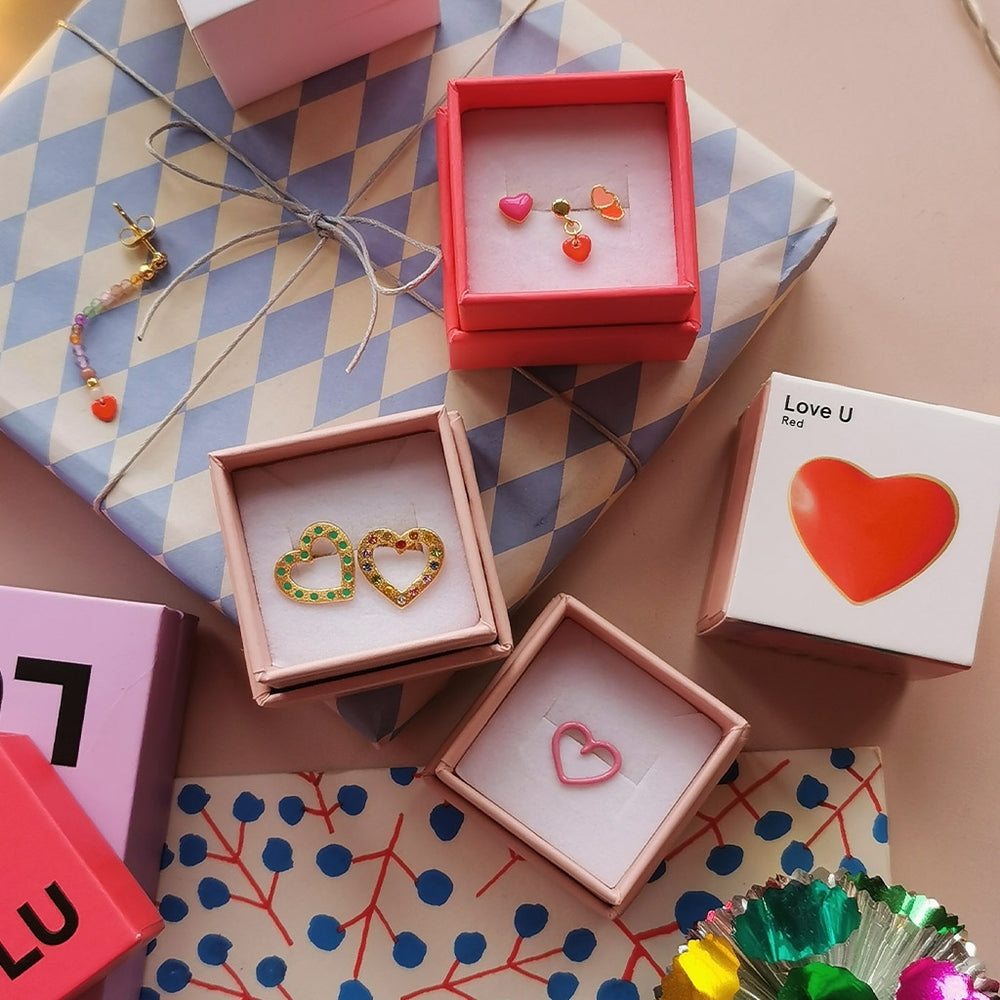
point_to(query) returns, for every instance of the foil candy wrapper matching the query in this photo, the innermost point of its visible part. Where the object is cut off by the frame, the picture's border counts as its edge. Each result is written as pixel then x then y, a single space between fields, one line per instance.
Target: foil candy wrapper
pixel 851 937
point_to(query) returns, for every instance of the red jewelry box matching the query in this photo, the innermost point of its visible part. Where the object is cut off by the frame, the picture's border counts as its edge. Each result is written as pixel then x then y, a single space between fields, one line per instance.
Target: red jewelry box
pixel 69 908
pixel 511 295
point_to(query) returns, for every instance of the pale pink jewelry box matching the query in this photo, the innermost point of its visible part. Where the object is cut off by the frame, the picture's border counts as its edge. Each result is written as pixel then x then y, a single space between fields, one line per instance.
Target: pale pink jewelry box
pixel 857 527
pixel 256 47
pixel 510 758
pixel 409 470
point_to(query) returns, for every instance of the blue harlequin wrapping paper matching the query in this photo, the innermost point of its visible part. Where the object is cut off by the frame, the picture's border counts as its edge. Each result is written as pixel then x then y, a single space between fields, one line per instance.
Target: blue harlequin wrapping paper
pixel 72 141
pixel 365 884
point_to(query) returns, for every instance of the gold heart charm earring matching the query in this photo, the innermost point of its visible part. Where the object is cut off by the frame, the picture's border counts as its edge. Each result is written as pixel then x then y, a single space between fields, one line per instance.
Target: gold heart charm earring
pixel 606 203
pixel 577 244
pixel 137 233
pixel 332 538
pixel 411 540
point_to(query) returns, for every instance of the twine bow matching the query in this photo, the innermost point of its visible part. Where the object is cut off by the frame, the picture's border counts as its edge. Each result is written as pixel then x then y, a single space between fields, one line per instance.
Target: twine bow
pixel 342 228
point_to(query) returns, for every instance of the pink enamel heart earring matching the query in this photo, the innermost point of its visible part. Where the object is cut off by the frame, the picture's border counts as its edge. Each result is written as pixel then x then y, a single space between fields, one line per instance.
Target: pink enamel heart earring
pixel 137 233
pixel 516 206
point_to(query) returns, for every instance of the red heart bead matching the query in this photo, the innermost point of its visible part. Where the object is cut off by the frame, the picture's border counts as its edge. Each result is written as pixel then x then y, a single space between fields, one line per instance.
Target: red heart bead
pixel 577 247
pixel 870 535
pixel 104 408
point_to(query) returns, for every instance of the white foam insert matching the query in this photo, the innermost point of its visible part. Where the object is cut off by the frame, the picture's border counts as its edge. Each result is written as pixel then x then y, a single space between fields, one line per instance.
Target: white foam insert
pixel 562 152
pixel 398 483
pixel 663 741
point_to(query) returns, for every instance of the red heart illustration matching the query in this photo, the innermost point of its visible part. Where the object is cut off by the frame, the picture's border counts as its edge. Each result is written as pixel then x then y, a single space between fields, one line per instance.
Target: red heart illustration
pixel 589 745
pixel 516 206
pixel 870 535
pixel 577 247
pixel 104 408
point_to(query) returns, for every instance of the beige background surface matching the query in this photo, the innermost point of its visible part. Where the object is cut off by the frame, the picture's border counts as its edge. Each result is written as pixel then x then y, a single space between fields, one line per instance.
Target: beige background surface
pixel 896 109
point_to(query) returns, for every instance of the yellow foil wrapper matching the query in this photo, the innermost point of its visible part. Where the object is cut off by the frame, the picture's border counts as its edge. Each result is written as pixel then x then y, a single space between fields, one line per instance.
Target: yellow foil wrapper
pixel 705 970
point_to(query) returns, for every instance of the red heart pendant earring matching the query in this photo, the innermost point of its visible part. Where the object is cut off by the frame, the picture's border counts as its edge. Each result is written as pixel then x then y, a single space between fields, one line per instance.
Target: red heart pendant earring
pixel 577 244
pixel 136 234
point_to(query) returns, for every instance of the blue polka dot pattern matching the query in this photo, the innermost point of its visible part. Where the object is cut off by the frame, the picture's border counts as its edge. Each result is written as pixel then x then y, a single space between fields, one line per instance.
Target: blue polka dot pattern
pixel 880 828
pixel 173 909
pixel 731 775
pixel 192 850
pixel 248 808
pixel 579 944
pixel 692 907
pixel 354 990
pixel 271 971
pixel 724 859
pixel 811 792
pixel 333 860
pixel 191 799
pixel 352 799
pixel 212 893
pixel 277 855
pixel 446 821
pixel 166 858
pixel 470 946
pixel 213 949
pixel 291 809
pixel 842 758
pixel 173 975
pixel 408 950
pixel 617 989
pixel 434 887
pixel 325 932
pixel 561 986
pixel 402 775
pixel 796 855
pixel 530 919
pixel 658 872
pixel 147 994
pixel 853 865
pixel 773 825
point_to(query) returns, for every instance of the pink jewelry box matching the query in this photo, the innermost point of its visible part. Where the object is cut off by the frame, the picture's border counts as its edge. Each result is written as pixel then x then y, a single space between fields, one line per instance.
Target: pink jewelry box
pixel 856 527
pixel 411 470
pixel 575 683
pixel 257 47
pixel 511 296
pixel 69 909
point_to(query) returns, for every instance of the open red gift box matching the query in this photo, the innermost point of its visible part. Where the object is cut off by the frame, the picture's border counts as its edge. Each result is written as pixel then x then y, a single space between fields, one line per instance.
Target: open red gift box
pixel 513 294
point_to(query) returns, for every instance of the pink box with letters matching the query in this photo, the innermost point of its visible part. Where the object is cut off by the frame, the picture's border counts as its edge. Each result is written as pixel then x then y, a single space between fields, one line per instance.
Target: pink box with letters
pixel 359 557
pixel 100 686
pixel 857 527
pixel 256 47
pixel 590 753
pixel 70 911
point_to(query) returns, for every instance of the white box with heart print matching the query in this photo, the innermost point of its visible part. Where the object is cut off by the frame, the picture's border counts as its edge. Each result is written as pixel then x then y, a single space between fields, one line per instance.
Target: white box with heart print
pixel 590 753
pixel 857 527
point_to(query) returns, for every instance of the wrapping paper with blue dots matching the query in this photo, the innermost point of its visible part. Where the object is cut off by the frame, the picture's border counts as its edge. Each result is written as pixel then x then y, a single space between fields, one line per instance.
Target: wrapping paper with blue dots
pixel 367 885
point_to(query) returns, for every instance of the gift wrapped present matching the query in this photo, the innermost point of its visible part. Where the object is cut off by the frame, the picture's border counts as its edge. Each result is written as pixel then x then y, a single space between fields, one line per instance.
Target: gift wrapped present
pixel 310 192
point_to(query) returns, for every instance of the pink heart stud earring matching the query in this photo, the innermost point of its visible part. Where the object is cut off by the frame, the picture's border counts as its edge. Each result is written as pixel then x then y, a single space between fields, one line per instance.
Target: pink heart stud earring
pixel 516 206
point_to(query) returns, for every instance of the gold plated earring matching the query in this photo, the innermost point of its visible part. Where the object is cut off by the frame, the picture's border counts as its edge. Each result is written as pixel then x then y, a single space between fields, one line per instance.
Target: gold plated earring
pixel 332 536
pixel 576 246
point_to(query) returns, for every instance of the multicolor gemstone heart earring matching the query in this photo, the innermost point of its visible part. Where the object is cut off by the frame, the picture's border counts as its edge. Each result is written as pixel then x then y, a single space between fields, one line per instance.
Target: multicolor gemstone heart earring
pixel 577 244
pixel 136 234
pixel 411 540
pixel 334 538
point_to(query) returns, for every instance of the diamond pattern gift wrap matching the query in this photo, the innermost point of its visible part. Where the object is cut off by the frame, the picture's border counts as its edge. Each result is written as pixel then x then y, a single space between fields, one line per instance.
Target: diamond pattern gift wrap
pixel 365 884
pixel 553 447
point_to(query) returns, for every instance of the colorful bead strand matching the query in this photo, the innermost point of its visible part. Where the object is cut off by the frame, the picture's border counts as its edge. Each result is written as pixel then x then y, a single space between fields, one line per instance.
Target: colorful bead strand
pixel 104 405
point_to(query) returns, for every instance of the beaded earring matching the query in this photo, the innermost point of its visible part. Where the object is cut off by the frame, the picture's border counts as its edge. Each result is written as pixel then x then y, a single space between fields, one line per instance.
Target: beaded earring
pixel 136 234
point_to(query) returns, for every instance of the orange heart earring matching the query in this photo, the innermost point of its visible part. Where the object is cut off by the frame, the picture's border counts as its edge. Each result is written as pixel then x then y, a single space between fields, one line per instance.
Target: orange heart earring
pixel 577 244
pixel 606 203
